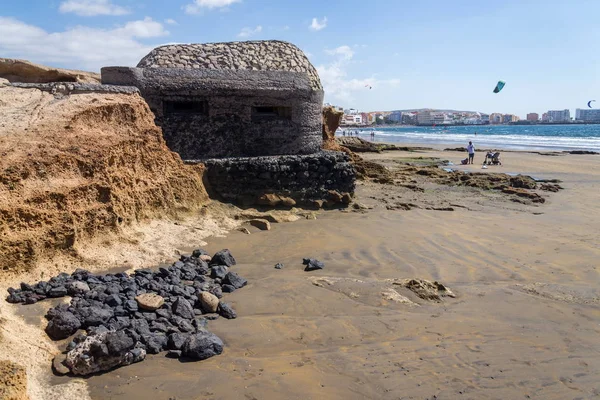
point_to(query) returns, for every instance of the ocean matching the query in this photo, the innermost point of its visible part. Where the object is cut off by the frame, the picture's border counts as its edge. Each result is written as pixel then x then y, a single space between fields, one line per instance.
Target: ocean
pixel 510 137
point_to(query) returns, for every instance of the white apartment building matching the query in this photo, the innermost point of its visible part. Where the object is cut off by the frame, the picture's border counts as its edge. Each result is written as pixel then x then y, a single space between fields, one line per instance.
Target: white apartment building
pixel 587 114
pixel 424 118
pixel 559 116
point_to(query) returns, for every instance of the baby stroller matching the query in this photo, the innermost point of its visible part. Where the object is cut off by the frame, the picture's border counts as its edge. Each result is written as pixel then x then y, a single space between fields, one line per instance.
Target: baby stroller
pixel 492 158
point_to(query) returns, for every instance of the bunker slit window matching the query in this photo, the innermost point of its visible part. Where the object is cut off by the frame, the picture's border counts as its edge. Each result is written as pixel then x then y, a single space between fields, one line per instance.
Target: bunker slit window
pixel 186 107
pixel 263 113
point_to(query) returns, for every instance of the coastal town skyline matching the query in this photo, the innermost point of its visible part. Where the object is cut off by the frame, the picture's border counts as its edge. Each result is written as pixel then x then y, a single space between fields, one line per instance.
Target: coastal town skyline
pixel 429 116
pixel 403 55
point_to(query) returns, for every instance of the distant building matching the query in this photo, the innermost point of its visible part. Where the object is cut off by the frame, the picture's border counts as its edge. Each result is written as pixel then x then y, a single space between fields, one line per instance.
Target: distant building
pixel 395 117
pixel 364 117
pixel 438 118
pixel 353 119
pixel 545 117
pixel 485 119
pixel 424 117
pixel 506 118
pixel 559 116
pixel 351 111
pixel 409 118
pixel 495 118
pixel 587 114
pixel 533 117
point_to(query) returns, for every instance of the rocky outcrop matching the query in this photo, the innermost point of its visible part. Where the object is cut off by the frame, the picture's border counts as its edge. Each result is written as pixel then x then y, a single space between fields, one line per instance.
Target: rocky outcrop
pixel 331 122
pixel 103 352
pixel 26 71
pixel 77 160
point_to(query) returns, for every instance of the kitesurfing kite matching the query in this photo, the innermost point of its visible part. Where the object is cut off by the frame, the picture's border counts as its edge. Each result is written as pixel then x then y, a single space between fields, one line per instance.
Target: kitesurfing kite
pixel 370 87
pixel 499 86
pixel 590 103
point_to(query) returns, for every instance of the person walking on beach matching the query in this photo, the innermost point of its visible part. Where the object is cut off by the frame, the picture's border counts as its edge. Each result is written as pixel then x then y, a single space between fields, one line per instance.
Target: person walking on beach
pixel 471 150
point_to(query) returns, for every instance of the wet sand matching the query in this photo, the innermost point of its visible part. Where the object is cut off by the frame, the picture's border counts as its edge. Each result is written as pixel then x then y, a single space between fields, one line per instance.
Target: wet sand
pixel 525 323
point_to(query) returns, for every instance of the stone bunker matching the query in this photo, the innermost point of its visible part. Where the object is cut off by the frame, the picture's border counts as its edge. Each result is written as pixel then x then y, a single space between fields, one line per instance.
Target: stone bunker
pixel 235 106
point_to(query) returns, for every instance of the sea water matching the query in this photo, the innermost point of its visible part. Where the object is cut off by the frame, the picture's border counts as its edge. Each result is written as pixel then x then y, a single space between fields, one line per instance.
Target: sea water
pixel 512 137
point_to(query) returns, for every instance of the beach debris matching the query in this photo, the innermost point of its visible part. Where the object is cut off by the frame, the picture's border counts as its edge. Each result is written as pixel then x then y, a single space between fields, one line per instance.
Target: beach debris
pixel 312 264
pixel 499 86
pixel 122 317
pixel 279 266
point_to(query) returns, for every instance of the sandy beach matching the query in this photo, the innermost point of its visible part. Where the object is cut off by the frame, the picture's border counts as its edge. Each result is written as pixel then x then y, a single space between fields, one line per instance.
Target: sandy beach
pixel 523 324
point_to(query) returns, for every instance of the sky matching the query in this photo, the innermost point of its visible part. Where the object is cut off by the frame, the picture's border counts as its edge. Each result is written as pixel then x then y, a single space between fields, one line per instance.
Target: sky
pixel 412 54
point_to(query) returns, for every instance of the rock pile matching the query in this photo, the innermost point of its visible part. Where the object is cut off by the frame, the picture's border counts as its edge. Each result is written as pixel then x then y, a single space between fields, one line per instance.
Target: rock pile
pixel 126 316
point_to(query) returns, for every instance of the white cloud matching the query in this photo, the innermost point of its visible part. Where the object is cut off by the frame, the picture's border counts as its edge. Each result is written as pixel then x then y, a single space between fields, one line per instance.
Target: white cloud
pixel 247 32
pixel 171 21
pixel 79 47
pixel 318 25
pixel 336 83
pixel 344 51
pixel 89 8
pixel 146 28
pixel 198 5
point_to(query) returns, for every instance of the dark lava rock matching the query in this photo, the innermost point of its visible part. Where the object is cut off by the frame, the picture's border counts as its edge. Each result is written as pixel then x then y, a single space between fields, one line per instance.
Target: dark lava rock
pixel 94 316
pixel 118 343
pixel 59 291
pixel 279 266
pixel 113 300
pixel 140 326
pixel 202 345
pixel 234 280
pixel 183 308
pixel 223 257
pixel 174 353
pixel 228 288
pixel 176 340
pixel 218 271
pixel 312 264
pixel 155 342
pixel 62 326
pixel 226 311
pixel 199 252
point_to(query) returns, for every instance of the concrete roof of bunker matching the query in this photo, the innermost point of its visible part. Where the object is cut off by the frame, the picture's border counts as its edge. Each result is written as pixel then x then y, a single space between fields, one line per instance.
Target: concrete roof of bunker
pixel 265 55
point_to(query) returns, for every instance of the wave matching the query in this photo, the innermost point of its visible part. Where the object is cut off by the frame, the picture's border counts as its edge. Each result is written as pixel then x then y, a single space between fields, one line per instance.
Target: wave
pixel 507 137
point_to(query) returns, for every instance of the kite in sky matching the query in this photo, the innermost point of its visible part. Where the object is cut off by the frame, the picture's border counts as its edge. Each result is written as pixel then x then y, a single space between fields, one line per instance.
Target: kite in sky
pixel 499 86
pixel 590 103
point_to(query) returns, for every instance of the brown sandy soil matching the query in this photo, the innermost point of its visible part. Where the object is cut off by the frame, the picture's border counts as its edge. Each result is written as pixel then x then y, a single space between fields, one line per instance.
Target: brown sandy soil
pixel 26 71
pixel 77 166
pixel 524 323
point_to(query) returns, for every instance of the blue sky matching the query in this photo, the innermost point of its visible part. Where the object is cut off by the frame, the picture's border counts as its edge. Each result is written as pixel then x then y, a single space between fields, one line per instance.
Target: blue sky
pixel 414 54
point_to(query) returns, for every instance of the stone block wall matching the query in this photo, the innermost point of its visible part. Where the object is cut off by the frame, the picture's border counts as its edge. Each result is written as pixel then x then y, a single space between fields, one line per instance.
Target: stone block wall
pixel 223 124
pixel 304 178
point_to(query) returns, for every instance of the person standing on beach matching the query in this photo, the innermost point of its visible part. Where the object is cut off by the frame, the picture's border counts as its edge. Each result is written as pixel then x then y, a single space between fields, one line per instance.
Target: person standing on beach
pixel 471 150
